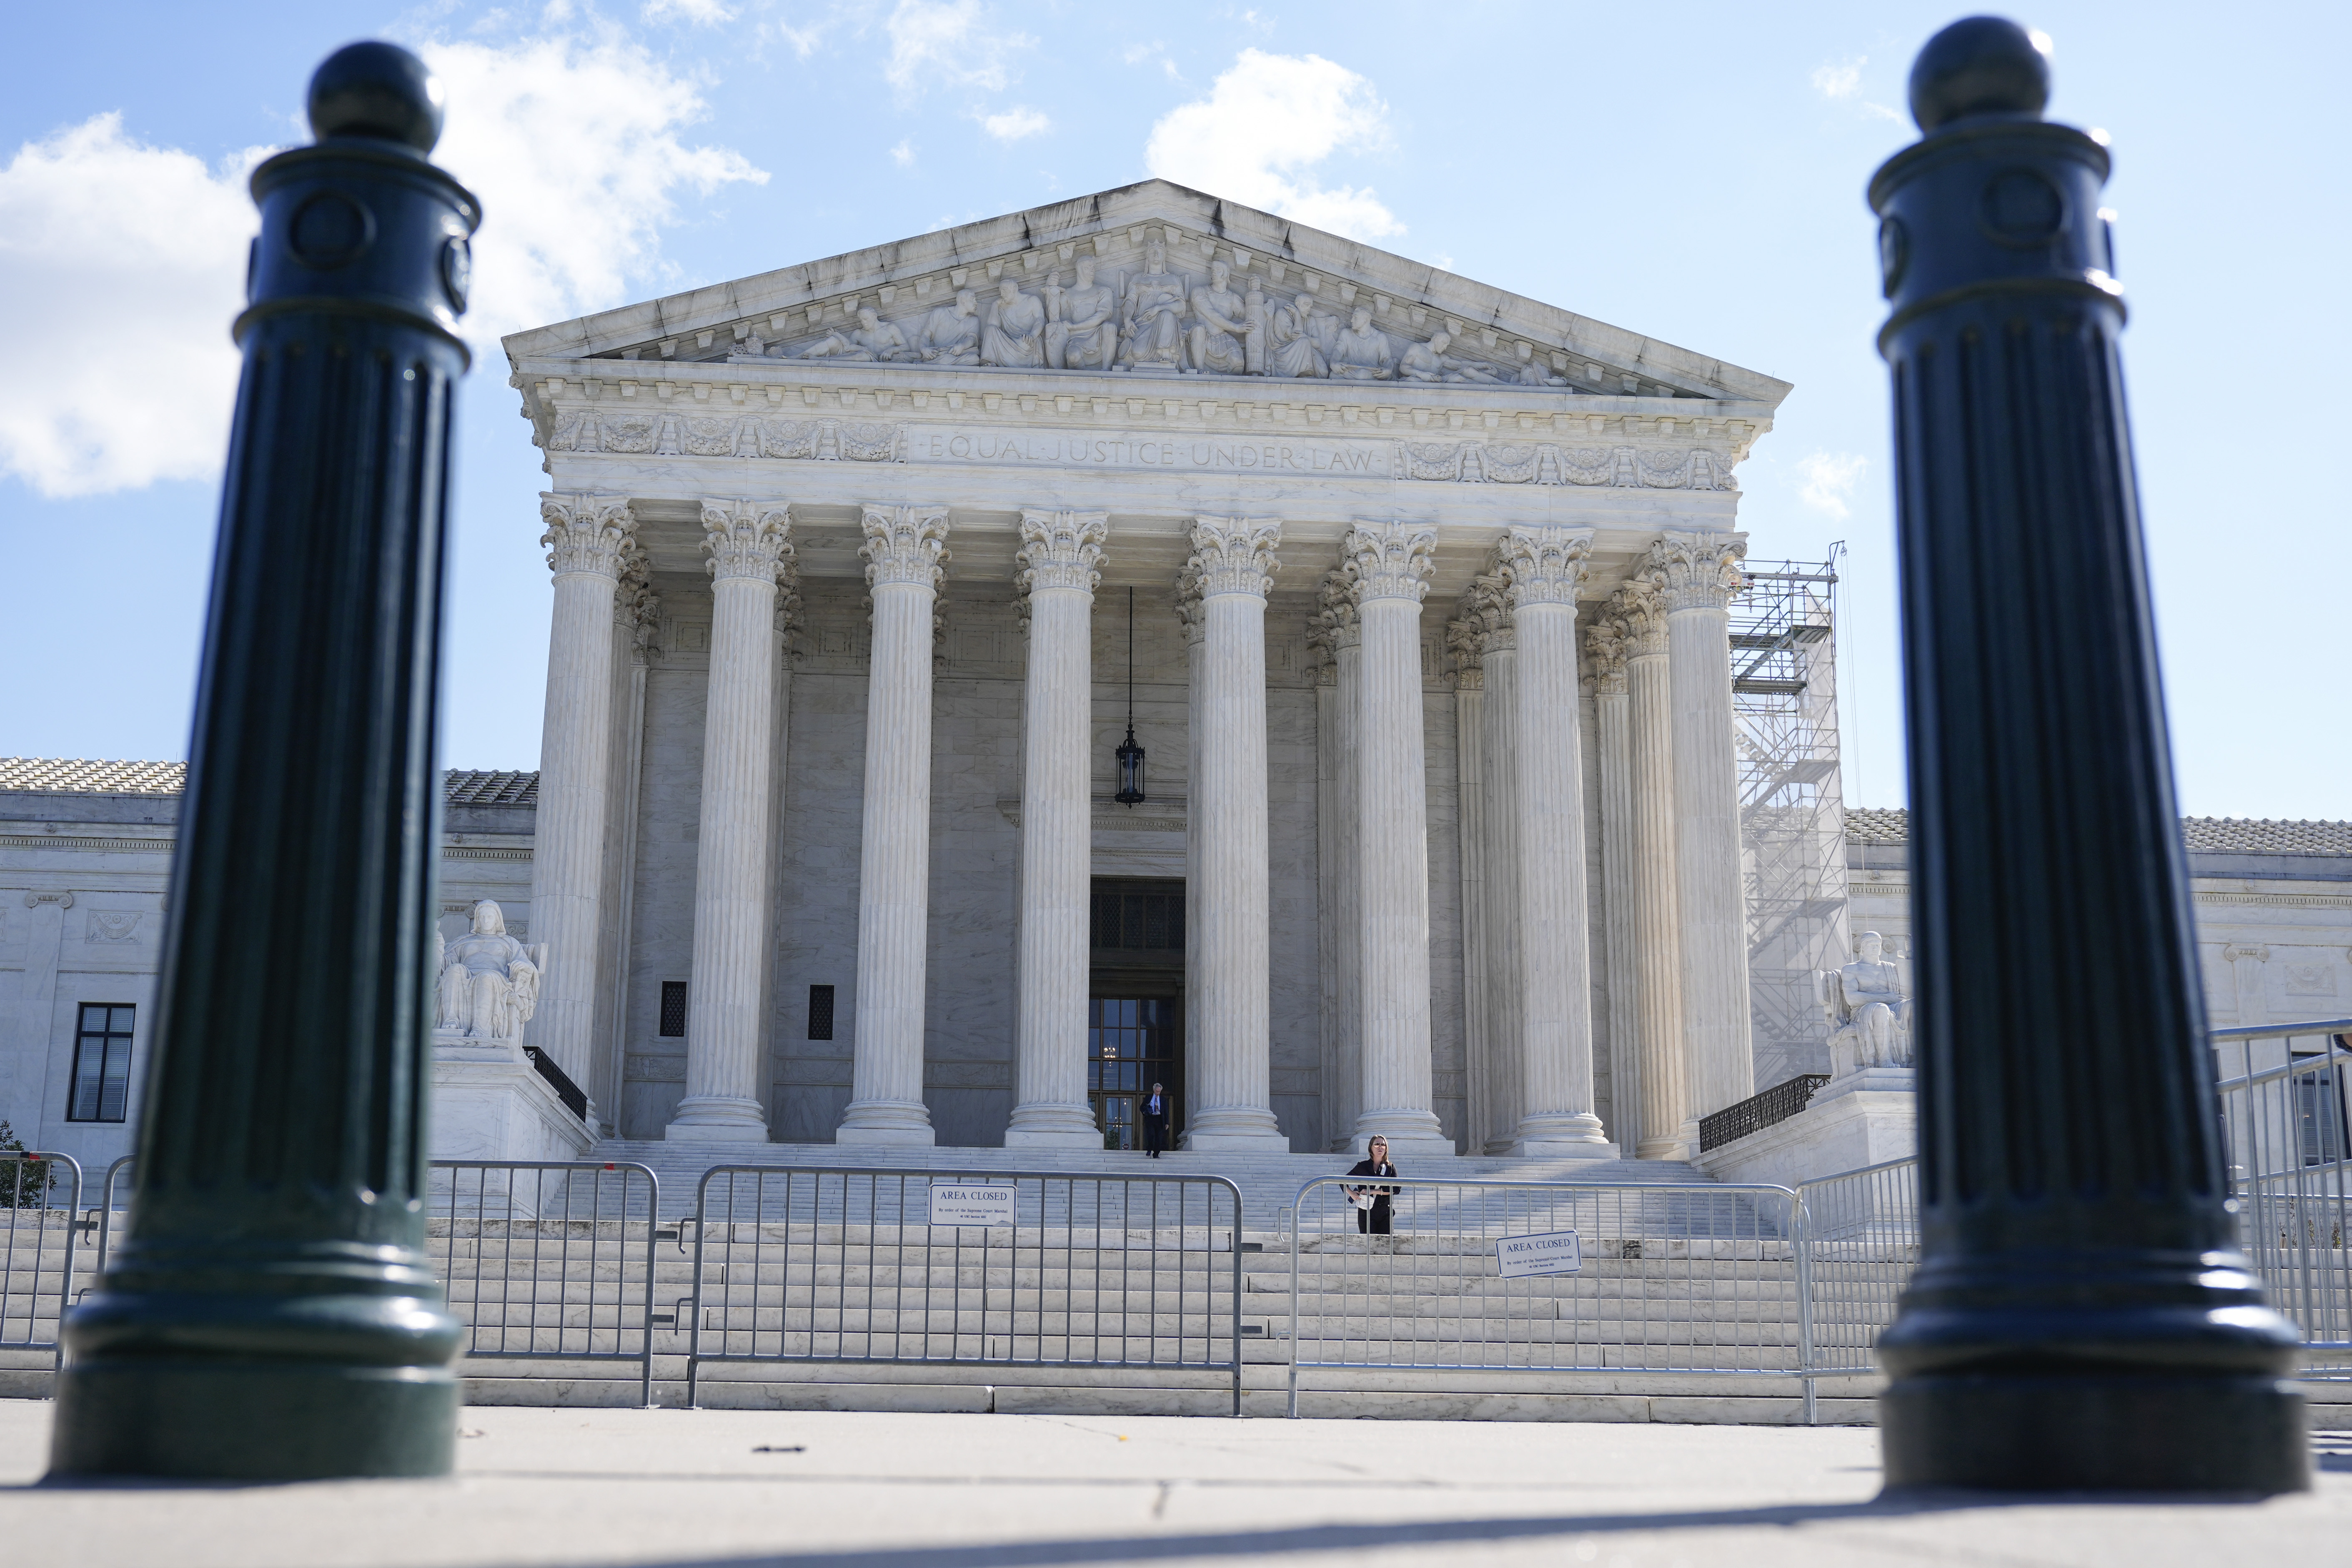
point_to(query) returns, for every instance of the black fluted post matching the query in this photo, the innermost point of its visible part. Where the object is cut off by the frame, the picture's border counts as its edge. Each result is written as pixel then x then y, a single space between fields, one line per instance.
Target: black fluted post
pixel 2082 1317
pixel 272 1314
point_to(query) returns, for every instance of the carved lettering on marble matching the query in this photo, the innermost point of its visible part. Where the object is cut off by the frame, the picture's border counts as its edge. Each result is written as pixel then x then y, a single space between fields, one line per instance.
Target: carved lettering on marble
pixel 905 546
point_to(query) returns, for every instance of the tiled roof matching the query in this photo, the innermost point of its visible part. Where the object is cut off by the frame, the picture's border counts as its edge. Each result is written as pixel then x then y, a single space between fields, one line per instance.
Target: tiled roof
pixel 75 775
pixel 2202 835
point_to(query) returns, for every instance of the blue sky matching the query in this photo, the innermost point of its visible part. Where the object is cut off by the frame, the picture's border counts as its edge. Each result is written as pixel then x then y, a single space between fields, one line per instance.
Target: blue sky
pixel 1692 173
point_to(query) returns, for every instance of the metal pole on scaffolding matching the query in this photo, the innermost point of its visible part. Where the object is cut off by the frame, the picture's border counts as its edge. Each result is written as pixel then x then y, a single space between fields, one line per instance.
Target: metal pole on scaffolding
pixel 2082 1317
pixel 272 1314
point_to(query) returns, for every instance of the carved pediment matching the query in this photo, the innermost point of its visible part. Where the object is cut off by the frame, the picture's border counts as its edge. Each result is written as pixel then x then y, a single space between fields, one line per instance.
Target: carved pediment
pixel 1151 281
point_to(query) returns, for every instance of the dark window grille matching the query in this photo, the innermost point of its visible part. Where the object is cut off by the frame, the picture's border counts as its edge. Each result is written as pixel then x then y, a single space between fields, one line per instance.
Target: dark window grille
pixel 1757 1112
pixel 673 1019
pixel 101 1072
pixel 1138 922
pixel 820 1012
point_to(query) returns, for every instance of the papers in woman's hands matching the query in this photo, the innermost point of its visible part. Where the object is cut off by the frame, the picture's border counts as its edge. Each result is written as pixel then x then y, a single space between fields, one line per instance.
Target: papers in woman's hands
pixel 1363 1198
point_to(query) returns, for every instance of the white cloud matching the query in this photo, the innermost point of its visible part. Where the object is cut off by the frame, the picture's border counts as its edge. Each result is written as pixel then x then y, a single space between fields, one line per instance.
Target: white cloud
pixel 704 13
pixel 1839 78
pixel 147 247
pixel 903 154
pixel 949 41
pixel 1829 478
pixel 1015 123
pixel 574 147
pixel 1264 122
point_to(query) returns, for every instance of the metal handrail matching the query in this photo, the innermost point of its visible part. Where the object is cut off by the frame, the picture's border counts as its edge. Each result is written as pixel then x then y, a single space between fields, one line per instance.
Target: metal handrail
pixel 816 1178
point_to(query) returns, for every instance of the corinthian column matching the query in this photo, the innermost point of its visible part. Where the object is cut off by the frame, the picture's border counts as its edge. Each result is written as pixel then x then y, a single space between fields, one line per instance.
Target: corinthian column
pixel 904 548
pixel 1233 564
pixel 1604 648
pixel 746 543
pixel 1488 618
pixel 1465 639
pixel 587 538
pixel 1391 562
pixel 1669 1125
pixel 1698 573
pixel 1337 837
pixel 1058 554
pixel 1542 569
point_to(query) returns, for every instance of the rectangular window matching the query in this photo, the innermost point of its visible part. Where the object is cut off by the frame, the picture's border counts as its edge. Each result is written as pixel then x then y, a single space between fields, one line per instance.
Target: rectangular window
pixel 101 1072
pixel 820 1012
pixel 673 1020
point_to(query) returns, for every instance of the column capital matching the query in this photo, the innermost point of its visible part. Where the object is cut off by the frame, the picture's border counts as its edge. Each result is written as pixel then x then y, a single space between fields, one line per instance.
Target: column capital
pixel 1060 550
pixel 906 547
pixel 1486 607
pixel 1697 570
pixel 1390 561
pixel 586 533
pixel 1640 607
pixel 1543 565
pixel 1192 613
pixel 788 596
pixel 1334 626
pixel 1606 646
pixel 1466 641
pixel 1235 555
pixel 745 539
pixel 636 608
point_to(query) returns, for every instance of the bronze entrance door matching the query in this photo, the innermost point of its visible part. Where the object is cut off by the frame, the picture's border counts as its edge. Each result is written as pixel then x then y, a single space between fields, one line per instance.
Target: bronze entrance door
pixel 1135 1019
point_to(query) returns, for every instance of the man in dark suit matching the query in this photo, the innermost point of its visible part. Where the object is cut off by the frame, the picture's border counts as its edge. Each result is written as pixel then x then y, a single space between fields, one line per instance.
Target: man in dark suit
pixel 1155 1121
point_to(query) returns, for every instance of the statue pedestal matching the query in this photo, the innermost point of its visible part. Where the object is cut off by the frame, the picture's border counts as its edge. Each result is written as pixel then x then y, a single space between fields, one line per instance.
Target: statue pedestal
pixel 490 1103
pixel 1864 1117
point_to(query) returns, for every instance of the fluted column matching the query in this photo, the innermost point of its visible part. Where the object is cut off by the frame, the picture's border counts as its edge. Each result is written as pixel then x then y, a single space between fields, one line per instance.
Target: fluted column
pixel 1612 728
pixel 1391 563
pixel 586 539
pixel 904 548
pixel 1337 840
pixel 1669 1125
pixel 1698 573
pixel 1464 640
pixel 746 542
pixel 1498 646
pixel 1059 551
pixel 1232 564
pixel 637 610
pixel 1541 569
pixel 1189 614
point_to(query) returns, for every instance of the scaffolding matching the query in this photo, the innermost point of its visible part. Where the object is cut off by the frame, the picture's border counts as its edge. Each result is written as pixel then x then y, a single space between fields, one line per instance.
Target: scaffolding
pixel 1791 808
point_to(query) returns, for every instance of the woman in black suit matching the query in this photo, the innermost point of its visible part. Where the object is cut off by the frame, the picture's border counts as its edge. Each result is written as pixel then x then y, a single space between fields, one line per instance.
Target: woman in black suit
pixel 1373 1221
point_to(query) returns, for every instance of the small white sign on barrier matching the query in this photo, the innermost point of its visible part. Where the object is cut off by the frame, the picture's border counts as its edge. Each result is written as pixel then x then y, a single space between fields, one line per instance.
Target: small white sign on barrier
pixel 1552 1253
pixel 955 1203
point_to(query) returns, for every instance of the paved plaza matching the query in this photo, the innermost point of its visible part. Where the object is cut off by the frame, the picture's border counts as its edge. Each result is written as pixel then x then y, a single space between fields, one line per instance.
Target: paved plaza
pixel 736 1489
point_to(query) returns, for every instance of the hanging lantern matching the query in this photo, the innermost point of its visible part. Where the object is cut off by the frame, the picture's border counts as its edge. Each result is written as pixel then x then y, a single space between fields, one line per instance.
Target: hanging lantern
pixel 1129 755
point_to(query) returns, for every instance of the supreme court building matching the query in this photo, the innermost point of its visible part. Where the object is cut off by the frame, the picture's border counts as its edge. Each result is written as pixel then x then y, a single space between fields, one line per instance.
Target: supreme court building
pixel 1438 830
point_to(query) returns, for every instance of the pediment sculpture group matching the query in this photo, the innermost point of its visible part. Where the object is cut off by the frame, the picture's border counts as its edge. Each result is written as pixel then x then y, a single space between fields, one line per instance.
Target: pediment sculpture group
pixel 1160 320
pixel 486 984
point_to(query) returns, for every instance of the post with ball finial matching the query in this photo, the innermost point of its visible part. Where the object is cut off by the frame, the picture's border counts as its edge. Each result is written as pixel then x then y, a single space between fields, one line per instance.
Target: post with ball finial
pixel 2082 1317
pixel 272 1314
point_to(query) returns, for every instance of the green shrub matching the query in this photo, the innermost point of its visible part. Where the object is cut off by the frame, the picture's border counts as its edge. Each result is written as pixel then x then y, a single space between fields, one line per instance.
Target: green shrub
pixel 24 1184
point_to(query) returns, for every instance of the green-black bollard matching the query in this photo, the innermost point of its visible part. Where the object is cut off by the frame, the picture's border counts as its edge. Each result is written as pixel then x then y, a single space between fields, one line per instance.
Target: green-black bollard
pixel 272 1314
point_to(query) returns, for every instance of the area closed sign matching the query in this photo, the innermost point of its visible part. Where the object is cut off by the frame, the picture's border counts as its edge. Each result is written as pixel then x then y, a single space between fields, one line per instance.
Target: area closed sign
pixel 1552 1253
pixel 959 1202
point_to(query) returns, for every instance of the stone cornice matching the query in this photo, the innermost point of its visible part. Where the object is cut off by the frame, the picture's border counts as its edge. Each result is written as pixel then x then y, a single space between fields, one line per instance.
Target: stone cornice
pixel 904 547
pixel 1391 561
pixel 745 540
pixel 1543 565
pixel 1235 555
pixel 590 534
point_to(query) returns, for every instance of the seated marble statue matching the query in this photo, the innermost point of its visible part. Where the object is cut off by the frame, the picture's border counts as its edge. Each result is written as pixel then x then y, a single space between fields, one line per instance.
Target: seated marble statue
pixel 950 333
pixel 1869 1016
pixel 489 985
pixel 1294 351
pixel 1534 372
pixel 1015 334
pixel 873 339
pixel 1151 332
pixel 1080 334
pixel 1361 353
pixel 1219 327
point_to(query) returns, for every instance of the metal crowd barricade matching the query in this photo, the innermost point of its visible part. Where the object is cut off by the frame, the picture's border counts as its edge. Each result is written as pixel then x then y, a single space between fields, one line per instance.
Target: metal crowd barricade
pixel 1860 1232
pixel 536 1258
pixel 794 1264
pixel 38 1265
pixel 2284 1105
pixel 1682 1278
pixel 107 1190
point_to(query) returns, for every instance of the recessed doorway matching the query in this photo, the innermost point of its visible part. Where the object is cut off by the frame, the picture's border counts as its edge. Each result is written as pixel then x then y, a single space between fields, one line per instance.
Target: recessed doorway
pixel 1134 1014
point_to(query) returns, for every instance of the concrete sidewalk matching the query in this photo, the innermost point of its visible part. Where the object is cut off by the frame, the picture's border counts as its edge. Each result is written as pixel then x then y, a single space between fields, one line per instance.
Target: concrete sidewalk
pixel 734 1488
